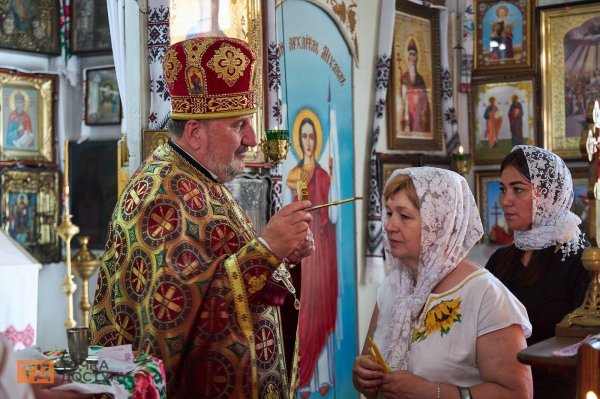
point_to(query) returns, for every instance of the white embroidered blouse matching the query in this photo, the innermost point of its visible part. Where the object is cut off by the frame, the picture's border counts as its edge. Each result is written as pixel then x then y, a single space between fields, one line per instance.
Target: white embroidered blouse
pixel 443 344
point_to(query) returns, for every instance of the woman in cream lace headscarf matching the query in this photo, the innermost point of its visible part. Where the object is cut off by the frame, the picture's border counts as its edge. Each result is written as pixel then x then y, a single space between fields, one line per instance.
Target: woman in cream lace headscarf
pixel 442 323
pixel 542 268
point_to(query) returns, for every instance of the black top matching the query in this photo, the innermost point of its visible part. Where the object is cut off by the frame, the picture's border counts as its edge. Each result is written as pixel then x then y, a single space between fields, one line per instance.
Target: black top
pixel 559 291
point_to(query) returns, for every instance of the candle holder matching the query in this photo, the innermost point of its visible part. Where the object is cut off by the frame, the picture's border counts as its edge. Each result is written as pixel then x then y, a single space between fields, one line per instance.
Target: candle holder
pixel 85 264
pixel 461 162
pixel 276 145
pixel 66 231
pixel 585 320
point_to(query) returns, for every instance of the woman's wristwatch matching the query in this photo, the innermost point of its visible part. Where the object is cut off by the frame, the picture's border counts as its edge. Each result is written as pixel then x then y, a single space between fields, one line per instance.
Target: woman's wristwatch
pixel 465 393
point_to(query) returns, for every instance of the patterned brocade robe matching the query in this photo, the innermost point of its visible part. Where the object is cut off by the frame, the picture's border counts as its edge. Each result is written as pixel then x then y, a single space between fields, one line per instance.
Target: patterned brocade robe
pixel 185 279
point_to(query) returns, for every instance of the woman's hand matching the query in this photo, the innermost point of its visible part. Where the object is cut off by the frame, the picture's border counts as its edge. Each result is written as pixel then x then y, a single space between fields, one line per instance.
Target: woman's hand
pixel 406 385
pixel 367 376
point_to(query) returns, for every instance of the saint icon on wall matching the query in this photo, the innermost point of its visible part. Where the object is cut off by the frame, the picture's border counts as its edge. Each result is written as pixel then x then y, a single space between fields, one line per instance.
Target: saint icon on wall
pixel 319 294
pixel 20 132
pixel 414 109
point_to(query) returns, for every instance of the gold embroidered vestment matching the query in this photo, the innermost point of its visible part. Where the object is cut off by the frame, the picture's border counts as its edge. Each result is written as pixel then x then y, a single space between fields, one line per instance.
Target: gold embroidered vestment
pixel 185 279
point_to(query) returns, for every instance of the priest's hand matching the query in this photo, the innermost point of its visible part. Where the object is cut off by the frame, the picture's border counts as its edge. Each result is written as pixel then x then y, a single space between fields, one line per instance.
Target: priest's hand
pixel 288 229
pixel 306 248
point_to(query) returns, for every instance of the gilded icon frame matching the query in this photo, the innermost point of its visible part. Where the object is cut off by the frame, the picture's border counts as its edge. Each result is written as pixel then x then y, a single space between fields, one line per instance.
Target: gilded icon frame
pixel 38 32
pixel 151 139
pixel 503 44
pixel 27 137
pixel 187 19
pixel 486 125
pixel 30 210
pixel 90 31
pixel 416 29
pixel 487 184
pixel 564 113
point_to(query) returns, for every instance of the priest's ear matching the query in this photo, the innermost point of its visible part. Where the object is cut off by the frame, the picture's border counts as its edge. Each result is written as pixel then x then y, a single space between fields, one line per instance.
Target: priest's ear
pixel 195 134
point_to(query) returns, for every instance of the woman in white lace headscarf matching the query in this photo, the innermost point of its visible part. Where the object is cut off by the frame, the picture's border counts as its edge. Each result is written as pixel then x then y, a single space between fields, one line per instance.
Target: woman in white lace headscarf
pixel 444 325
pixel 542 268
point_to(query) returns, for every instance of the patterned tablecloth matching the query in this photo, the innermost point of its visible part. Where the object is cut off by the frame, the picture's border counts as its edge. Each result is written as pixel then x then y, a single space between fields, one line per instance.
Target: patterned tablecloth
pixel 146 381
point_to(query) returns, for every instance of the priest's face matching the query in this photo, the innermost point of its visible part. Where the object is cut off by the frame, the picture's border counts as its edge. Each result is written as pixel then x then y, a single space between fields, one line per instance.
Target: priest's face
pixel 228 141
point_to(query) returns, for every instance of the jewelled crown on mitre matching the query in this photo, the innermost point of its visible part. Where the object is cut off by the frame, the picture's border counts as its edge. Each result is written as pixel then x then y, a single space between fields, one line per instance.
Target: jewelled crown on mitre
pixel 210 77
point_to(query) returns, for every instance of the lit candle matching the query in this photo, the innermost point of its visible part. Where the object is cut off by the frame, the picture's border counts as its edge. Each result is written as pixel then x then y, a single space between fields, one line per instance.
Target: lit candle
pixel 461 153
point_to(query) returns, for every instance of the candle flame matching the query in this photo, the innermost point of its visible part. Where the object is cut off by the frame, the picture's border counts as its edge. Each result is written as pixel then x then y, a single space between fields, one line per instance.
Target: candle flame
pixel 461 150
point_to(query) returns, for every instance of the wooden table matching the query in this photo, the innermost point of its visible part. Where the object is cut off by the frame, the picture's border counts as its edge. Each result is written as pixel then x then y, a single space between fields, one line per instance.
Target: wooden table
pixel 540 354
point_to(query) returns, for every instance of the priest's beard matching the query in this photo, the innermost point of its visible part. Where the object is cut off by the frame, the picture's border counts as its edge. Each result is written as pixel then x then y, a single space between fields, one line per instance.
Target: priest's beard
pixel 226 171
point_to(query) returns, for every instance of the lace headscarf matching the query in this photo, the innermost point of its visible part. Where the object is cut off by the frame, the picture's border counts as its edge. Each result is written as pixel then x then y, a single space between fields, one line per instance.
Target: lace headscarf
pixel 552 187
pixel 450 226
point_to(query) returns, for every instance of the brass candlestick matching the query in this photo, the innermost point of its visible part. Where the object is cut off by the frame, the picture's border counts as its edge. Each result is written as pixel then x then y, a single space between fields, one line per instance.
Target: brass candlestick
pixel 276 145
pixel 588 314
pixel 66 231
pixel 85 264
pixel 585 320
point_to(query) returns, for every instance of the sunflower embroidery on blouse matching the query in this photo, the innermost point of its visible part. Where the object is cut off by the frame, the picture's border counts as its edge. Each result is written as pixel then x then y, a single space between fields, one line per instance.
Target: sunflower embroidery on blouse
pixel 440 318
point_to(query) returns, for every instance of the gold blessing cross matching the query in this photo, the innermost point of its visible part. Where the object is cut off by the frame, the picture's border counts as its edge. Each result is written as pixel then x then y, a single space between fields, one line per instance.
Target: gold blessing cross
pixel 301 190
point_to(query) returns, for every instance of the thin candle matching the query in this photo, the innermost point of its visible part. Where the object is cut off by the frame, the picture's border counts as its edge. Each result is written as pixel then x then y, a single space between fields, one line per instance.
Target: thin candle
pixel 66 179
pixel 66 166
